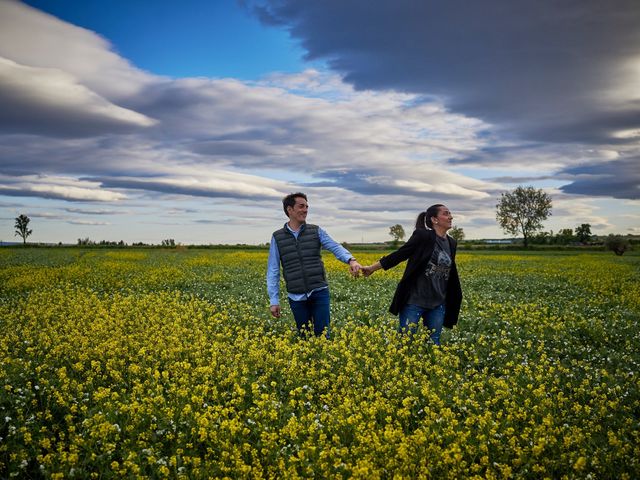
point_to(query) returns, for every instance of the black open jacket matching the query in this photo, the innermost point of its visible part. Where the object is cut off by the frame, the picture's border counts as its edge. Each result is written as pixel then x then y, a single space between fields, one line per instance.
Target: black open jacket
pixel 418 251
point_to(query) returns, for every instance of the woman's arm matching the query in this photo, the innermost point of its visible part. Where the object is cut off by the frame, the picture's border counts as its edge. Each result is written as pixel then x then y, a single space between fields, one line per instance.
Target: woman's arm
pixel 369 269
pixel 404 252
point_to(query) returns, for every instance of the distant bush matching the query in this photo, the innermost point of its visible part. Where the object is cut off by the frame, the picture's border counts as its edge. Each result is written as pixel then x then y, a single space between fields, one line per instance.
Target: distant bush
pixel 617 243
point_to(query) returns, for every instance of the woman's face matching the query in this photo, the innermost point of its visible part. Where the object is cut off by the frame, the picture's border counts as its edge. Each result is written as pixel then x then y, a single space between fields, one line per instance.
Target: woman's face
pixel 443 219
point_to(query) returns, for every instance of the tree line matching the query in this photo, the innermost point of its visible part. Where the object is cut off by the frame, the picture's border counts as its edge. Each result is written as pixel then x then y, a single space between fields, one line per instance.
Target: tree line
pixel 523 210
pixel 518 212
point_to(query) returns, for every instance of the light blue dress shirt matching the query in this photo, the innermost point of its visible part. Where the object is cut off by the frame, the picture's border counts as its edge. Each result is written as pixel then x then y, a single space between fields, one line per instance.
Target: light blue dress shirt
pixel 273 265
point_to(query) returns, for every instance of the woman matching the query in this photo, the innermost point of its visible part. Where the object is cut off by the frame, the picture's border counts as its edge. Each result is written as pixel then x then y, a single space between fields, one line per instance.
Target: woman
pixel 430 286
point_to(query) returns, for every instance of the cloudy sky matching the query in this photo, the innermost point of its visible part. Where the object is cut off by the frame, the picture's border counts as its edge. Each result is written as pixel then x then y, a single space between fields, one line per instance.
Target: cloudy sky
pixel 146 120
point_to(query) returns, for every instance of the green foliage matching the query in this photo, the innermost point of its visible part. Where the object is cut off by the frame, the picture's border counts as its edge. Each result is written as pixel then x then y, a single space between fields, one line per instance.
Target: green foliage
pixel 564 236
pixel 617 244
pixel 22 227
pixel 397 232
pixel 457 233
pixel 522 211
pixel 583 232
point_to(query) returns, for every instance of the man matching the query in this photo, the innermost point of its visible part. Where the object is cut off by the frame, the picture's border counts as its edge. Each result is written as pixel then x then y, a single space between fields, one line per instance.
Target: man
pixel 297 247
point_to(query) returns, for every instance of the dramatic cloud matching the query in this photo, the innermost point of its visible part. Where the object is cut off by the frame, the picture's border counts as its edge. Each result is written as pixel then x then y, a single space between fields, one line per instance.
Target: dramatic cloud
pixel 49 101
pixel 547 73
pixel 56 187
pixel 220 184
pixel 205 132
pixel 425 115
pixel 33 38
pixel 529 66
pixel 312 123
pixel 621 179
pixel 58 79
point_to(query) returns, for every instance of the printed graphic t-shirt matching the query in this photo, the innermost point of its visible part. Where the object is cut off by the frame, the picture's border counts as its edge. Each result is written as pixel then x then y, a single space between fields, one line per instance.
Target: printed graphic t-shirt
pixel 430 288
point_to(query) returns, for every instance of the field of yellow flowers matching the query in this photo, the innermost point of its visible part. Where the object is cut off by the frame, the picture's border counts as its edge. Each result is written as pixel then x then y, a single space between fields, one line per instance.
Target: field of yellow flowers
pixel 166 363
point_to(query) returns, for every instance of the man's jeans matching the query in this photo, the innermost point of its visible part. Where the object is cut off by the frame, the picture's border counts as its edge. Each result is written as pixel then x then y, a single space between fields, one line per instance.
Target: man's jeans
pixel 314 310
pixel 433 319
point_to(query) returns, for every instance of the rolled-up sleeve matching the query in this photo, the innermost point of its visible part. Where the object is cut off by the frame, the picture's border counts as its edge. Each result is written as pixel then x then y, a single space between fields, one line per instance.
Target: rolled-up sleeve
pixel 273 273
pixel 334 247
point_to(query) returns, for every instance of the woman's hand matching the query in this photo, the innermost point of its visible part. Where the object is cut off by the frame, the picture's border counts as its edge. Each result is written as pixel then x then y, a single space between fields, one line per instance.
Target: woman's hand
pixel 369 269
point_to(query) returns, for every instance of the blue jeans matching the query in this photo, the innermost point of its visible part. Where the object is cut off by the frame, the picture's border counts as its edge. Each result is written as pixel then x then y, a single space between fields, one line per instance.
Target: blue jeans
pixel 433 320
pixel 314 310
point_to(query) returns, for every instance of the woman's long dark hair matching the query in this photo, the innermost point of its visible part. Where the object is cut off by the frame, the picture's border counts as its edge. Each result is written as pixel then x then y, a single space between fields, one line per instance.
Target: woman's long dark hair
pixel 424 219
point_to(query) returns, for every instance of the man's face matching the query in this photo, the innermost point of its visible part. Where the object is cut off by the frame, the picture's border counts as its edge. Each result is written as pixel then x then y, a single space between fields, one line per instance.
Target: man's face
pixel 299 211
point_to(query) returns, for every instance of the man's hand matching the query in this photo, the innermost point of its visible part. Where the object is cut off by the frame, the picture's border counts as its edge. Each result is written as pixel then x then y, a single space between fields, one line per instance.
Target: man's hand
pixel 354 267
pixel 275 311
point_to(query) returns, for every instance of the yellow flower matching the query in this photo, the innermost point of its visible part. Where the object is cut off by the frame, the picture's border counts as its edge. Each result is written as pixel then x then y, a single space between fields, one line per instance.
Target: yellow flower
pixel 580 464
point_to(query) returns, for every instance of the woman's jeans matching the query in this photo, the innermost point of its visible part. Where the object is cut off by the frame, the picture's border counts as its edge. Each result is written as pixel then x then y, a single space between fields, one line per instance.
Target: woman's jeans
pixel 314 310
pixel 433 320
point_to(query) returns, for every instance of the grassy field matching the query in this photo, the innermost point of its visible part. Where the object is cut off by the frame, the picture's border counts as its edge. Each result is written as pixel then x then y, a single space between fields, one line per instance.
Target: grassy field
pixel 166 363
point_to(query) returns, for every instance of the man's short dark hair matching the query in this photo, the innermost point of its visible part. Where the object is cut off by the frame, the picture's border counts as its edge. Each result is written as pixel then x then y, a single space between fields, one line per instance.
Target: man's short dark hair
pixel 290 201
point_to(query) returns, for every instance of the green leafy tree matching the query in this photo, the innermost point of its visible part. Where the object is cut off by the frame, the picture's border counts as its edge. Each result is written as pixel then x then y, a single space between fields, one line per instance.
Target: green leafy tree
pixel 457 233
pixel 22 227
pixel 542 238
pixel 523 210
pixel 583 232
pixel 617 243
pixel 564 236
pixel 396 232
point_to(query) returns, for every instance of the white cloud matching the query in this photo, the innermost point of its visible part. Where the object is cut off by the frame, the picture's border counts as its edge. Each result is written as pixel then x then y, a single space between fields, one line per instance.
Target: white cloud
pixel 441 188
pixel 64 188
pixel 96 211
pixel 31 37
pixel 87 222
pixel 308 124
pixel 367 158
pixel 51 100
pixel 214 184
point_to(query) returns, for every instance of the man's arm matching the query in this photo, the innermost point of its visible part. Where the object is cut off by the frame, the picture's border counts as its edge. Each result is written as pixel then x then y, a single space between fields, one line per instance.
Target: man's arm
pixel 273 278
pixel 339 252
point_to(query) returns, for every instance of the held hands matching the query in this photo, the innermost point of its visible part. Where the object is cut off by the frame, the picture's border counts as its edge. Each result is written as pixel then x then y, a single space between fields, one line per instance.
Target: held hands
pixel 368 270
pixel 354 267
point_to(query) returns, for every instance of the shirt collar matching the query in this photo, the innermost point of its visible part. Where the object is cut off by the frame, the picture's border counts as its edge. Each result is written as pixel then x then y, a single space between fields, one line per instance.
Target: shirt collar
pixel 295 231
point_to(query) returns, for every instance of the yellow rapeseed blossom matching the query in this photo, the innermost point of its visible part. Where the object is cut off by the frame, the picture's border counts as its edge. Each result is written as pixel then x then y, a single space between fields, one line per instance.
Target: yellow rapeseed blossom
pixel 167 364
